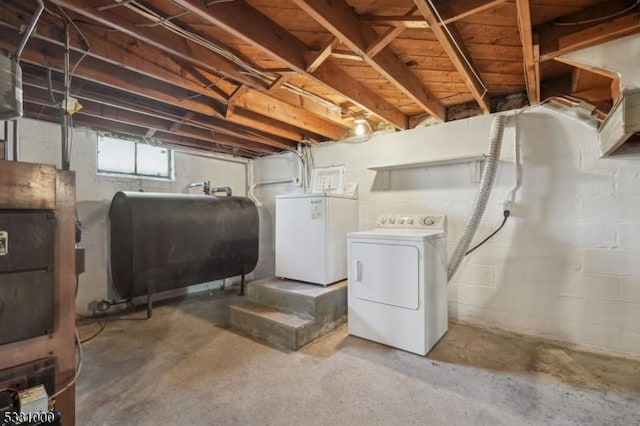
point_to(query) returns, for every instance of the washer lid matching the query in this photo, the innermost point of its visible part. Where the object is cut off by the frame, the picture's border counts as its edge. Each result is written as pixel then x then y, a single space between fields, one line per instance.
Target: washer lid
pixel 398 234
pixel 317 195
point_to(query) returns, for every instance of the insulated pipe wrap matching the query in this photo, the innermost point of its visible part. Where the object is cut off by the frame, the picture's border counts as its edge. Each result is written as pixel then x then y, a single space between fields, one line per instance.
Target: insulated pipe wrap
pixel 482 197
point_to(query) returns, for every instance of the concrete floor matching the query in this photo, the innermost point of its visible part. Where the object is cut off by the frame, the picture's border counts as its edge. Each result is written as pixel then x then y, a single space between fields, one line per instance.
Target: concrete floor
pixel 184 367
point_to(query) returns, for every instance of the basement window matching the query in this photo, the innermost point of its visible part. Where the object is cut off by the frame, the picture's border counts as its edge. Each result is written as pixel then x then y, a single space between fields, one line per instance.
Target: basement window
pixel 133 158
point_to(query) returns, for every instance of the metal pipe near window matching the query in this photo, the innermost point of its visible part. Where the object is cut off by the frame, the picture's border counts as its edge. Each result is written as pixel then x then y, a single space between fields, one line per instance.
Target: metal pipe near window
pixel 15 140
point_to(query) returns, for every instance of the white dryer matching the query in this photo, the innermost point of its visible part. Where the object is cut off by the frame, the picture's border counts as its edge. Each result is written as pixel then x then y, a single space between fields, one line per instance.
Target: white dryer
pixel 398 282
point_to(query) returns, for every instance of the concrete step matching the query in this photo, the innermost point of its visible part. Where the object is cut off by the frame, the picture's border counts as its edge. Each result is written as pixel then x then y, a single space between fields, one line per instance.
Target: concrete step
pixel 290 313
pixel 278 327
pixel 307 300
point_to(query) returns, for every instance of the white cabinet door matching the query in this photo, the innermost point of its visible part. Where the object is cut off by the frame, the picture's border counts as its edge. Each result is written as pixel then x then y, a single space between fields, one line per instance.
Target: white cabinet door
pixel 385 273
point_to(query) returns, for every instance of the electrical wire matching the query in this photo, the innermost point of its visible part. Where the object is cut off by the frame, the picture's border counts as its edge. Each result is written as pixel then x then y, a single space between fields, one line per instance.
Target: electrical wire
pixel 506 213
pixel 9 389
pixel 598 19
pixel 102 325
pixel 86 47
pixel 76 375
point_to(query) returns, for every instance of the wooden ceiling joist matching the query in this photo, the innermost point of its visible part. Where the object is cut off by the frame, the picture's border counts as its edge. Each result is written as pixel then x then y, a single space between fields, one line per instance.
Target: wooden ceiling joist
pixel 528 51
pixel 253 100
pixel 116 77
pixel 259 76
pixel 251 26
pixel 322 54
pixel 37 94
pixel 615 85
pixel 340 19
pixel 265 124
pixel 158 110
pixel 451 45
pixel 112 50
pixel 451 12
pixel 278 92
pixel 161 39
pixel 41 112
pixel 559 40
pixel 124 77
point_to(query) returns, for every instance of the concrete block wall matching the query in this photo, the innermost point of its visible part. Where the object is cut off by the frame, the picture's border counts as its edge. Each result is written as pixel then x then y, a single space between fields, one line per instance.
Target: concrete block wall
pixel 40 143
pixel 565 266
pixel 271 174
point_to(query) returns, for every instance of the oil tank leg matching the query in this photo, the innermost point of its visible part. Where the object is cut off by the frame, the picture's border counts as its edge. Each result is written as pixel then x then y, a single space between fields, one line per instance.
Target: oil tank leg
pixel 150 291
pixel 242 284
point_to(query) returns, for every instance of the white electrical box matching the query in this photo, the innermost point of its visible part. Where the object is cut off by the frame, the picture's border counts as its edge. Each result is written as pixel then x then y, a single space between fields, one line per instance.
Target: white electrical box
pixel 34 400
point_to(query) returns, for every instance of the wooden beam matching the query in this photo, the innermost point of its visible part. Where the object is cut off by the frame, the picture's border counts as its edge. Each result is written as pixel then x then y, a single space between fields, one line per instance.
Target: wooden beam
pixel 323 54
pixel 387 37
pixel 157 110
pixel 278 92
pixel 264 124
pixel 383 41
pixel 461 63
pixel 451 12
pixel 341 20
pixel 346 54
pixel 178 124
pixel 90 109
pixel 456 10
pixel 278 83
pixel 122 79
pixel 111 48
pixel 159 38
pixel 115 49
pixel 615 77
pixel 143 62
pixel 243 21
pixel 51 56
pixel 252 100
pixel 40 112
pixel 526 37
pixel 558 43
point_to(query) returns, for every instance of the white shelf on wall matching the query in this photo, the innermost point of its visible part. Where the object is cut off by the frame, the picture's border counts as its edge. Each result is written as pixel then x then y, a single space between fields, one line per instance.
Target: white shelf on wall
pixel 475 162
pixel 429 163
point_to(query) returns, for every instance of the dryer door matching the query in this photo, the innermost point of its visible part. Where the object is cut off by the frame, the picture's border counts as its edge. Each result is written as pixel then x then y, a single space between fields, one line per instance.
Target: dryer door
pixel 385 273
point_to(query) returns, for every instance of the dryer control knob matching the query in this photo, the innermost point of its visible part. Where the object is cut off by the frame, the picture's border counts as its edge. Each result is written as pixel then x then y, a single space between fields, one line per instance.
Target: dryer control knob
pixel 401 220
pixel 428 221
pixel 392 220
pixel 410 221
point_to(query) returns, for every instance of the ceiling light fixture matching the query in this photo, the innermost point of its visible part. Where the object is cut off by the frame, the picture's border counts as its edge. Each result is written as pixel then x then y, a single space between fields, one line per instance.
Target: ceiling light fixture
pixel 360 132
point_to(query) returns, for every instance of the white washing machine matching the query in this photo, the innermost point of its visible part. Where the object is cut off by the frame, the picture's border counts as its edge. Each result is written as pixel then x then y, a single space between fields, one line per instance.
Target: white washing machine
pixel 398 282
pixel 311 235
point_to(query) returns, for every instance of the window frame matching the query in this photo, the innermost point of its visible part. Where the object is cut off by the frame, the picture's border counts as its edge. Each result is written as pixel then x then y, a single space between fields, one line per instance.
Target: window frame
pixel 135 175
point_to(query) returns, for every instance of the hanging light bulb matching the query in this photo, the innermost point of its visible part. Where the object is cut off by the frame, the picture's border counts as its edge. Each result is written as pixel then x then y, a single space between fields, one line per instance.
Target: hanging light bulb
pixel 362 126
pixel 361 131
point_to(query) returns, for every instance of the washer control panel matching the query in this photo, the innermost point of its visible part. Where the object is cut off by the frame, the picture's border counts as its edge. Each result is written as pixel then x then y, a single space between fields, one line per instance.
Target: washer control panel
pixel 411 221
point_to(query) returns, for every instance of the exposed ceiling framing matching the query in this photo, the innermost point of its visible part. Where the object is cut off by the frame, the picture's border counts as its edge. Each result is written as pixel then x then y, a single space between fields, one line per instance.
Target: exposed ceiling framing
pixel 254 77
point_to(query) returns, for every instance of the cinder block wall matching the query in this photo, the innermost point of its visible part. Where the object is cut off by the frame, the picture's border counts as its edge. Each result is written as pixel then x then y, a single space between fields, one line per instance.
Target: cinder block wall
pixel 567 264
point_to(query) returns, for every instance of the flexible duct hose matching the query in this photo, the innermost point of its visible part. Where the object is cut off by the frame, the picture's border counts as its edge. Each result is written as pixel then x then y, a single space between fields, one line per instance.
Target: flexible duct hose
pixel 482 197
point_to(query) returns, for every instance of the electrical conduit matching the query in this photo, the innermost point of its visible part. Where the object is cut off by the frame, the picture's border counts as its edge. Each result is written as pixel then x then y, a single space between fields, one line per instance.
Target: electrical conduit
pixel 482 197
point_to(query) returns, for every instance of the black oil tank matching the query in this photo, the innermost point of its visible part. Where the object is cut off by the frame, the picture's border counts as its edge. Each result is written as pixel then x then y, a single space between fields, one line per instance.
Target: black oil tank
pixel 169 241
